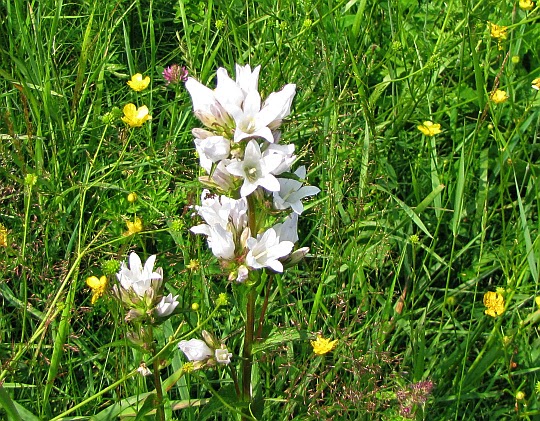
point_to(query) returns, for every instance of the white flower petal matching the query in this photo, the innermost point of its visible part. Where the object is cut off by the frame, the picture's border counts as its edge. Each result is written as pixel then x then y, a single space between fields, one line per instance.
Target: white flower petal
pixel 166 306
pixel 223 356
pixel 195 350
pixel 246 79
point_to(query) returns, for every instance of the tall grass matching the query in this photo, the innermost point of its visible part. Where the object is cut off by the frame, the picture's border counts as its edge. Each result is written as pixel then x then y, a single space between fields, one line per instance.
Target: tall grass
pixel 407 235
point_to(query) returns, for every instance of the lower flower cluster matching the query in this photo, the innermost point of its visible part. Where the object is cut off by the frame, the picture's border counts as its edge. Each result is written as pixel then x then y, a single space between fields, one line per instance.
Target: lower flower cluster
pixel 205 353
pixel 140 290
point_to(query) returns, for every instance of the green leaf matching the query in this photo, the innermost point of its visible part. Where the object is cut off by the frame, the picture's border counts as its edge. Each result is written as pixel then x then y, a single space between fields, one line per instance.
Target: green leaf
pixel 125 406
pixel 150 403
pixel 222 400
pixel 8 405
pixel 410 213
pixel 279 337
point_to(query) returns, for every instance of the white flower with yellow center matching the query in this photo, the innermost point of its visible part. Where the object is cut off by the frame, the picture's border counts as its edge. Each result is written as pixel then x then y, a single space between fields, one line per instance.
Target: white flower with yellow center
pixel 256 169
pixel 266 249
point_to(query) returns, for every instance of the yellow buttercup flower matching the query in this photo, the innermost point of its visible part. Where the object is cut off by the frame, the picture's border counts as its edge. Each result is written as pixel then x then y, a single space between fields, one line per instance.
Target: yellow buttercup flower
pixel 97 285
pixel 322 346
pixel 134 227
pixel 499 96
pixel 138 83
pixel 132 197
pixel 498 31
pixel 3 236
pixel 526 4
pixel 536 84
pixel 429 128
pixel 494 303
pixel 134 116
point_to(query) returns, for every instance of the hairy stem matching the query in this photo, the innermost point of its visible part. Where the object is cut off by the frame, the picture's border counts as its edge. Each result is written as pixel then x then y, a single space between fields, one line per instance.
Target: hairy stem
pixel 248 343
pixel 264 307
pixel 160 411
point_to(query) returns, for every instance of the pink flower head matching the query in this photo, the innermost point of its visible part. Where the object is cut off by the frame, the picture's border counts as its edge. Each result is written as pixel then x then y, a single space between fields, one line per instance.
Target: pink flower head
pixel 175 74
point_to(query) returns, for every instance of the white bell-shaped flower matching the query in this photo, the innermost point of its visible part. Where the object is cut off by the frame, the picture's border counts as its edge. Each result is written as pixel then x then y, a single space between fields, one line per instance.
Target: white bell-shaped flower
pixel 256 169
pixel 266 249
pixel 195 349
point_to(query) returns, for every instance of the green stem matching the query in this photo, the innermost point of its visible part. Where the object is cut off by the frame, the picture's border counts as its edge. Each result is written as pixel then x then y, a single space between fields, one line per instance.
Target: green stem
pixel 264 307
pixel 248 343
pixel 160 411
pixel 247 359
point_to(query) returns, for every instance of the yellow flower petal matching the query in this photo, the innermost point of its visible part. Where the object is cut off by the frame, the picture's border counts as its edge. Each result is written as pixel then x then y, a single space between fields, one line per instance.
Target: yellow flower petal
pixel 134 227
pixel 526 4
pixel 3 236
pixel 138 83
pixel 132 197
pixel 499 96
pixel 135 117
pixel 498 31
pixel 429 128
pixel 536 84
pixel 494 303
pixel 322 346
pixel 97 285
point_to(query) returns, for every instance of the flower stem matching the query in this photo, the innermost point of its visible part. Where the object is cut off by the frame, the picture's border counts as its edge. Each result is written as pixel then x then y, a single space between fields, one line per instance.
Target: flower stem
pixel 160 412
pixel 264 306
pixel 248 342
pixel 247 359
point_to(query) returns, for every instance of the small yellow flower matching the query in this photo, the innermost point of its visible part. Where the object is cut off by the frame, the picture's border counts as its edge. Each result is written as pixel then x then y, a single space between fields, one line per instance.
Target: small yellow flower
pixel 499 96
pixel 536 84
pixel 520 395
pixel 429 128
pixel 138 83
pixel 97 285
pixel 537 301
pixel 3 236
pixel 494 303
pixel 134 227
pixel 188 367
pixel 322 346
pixel 135 117
pixel 526 4
pixel 132 197
pixel 498 31
pixel 193 265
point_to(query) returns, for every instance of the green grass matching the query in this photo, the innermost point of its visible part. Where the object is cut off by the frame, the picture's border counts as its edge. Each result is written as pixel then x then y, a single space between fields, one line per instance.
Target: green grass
pixel 407 235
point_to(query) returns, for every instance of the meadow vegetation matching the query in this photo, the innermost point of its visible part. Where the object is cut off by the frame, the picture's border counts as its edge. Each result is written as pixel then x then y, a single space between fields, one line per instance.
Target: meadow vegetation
pixel 424 247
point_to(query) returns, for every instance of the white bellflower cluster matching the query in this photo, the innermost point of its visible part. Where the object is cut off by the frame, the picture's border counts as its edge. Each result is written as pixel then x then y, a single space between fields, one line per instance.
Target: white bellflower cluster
pixel 240 151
